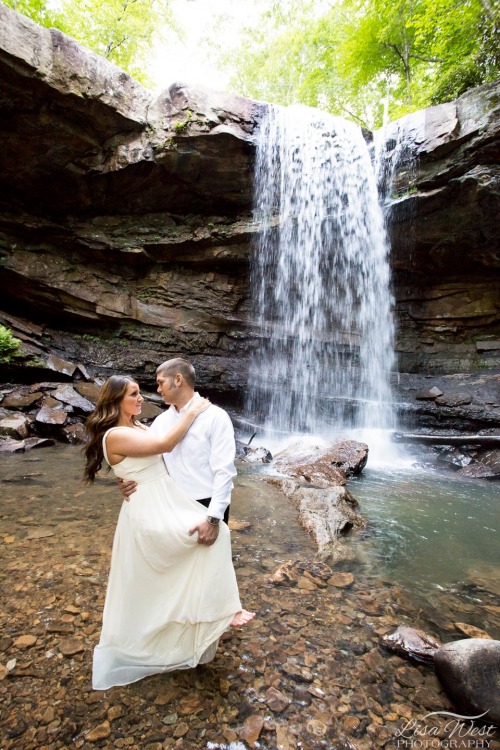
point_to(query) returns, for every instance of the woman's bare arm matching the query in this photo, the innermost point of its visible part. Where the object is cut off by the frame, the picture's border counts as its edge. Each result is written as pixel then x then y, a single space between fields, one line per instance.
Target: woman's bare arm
pixel 137 443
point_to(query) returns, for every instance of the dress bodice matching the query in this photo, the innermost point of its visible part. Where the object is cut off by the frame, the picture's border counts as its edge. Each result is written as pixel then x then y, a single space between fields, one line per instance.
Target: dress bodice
pixel 145 469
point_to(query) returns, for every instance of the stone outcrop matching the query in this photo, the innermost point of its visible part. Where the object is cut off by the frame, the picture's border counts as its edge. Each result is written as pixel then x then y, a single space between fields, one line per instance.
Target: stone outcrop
pixel 445 235
pixel 126 224
pixel 314 479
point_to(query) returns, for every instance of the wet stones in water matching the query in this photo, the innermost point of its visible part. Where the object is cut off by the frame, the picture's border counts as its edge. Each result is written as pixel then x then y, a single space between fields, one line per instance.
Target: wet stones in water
pixel 258 455
pixel 470 673
pixel 292 573
pixel 471 631
pixel 412 644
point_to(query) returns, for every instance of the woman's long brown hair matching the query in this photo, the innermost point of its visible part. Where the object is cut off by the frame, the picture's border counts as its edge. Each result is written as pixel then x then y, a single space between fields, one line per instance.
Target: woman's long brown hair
pixel 105 415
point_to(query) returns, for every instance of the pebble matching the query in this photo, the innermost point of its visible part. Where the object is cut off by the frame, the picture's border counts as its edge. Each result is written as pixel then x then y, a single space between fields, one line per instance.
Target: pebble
pixel 25 641
pixel 252 727
pixel 101 732
pixel 341 580
pixel 71 646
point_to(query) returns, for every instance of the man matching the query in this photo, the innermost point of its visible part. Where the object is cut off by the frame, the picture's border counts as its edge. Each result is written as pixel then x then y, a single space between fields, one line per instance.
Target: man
pixel 202 464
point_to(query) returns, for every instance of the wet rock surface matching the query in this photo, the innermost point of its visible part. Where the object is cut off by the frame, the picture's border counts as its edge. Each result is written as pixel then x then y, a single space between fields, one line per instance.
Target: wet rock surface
pixel 415 644
pixel 470 671
pixel 319 465
pixel 308 673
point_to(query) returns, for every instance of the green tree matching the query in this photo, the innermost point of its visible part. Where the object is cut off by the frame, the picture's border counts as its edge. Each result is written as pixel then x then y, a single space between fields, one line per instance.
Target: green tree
pixel 120 30
pixel 9 346
pixel 361 57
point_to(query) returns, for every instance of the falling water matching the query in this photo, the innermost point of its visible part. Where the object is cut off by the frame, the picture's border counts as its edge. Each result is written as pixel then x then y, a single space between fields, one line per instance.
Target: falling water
pixel 320 278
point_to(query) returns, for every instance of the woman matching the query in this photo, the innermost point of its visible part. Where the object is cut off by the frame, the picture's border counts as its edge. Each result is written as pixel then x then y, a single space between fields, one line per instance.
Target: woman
pixel 169 599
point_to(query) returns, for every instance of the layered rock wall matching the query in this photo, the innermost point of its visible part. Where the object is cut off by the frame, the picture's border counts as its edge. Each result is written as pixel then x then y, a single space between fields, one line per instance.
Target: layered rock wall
pixel 445 235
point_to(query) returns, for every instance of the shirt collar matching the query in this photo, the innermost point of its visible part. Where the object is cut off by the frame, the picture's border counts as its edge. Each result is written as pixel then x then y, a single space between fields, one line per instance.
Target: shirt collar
pixel 186 406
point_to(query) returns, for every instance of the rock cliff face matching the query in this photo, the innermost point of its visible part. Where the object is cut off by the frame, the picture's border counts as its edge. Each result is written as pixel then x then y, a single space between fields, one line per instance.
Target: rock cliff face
pixel 445 234
pixel 126 221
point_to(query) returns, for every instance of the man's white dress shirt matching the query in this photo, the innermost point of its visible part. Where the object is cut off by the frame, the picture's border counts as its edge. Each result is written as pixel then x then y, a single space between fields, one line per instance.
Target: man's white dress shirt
pixel 202 464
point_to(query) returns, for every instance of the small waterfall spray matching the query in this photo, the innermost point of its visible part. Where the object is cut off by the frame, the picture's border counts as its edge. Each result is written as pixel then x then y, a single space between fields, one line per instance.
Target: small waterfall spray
pixel 320 278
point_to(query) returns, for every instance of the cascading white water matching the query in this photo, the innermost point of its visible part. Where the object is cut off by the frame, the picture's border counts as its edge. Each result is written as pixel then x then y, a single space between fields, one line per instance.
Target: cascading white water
pixel 320 278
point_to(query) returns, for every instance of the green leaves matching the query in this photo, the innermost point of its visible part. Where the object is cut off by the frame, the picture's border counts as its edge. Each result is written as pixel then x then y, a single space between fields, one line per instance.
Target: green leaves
pixel 9 346
pixel 357 57
pixel 119 30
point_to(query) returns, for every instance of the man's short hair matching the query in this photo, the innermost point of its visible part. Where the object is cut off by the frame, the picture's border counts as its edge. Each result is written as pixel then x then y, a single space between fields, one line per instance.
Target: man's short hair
pixel 177 366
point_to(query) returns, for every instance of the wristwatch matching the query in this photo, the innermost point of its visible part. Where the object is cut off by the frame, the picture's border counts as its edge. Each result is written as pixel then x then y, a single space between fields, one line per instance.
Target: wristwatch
pixel 213 521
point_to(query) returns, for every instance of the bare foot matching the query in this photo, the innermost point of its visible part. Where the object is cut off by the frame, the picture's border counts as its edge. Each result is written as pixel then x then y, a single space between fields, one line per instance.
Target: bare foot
pixel 241 618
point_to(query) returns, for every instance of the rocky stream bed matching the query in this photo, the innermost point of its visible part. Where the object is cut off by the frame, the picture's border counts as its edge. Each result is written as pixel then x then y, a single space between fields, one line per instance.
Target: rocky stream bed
pixel 310 671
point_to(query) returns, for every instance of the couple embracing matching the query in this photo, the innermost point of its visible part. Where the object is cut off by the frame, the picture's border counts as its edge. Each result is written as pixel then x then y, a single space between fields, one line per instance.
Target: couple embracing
pixel 172 588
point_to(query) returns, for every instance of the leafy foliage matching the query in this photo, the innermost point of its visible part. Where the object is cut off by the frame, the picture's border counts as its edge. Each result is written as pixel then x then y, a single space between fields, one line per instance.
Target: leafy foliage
pixel 9 346
pixel 119 30
pixel 359 57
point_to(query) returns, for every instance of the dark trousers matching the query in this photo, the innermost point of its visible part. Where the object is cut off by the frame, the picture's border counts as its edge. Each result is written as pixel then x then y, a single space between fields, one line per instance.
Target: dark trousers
pixel 206 502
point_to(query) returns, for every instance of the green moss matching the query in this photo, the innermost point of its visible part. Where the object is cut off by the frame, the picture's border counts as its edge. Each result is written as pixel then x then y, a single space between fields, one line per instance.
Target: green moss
pixel 182 125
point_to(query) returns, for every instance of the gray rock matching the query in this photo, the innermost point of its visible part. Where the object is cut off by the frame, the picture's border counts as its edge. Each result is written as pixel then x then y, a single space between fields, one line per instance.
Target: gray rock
pixel 411 643
pixel 68 395
pixel 8 445
pixel 15 425
pixel 19 400
pixel 429 395
pixel 75 433
pixel 454 399
pixel 325 513
pixel 60 365
pixel 48 416
pixel 470 673
pixel 478 470
pixel 259 455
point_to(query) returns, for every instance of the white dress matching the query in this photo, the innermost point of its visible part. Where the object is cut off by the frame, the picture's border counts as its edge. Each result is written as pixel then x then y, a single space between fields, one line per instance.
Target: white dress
pixel 168 599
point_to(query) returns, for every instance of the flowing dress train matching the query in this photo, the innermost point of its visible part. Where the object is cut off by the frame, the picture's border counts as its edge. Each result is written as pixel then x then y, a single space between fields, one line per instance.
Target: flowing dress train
pixel 168 598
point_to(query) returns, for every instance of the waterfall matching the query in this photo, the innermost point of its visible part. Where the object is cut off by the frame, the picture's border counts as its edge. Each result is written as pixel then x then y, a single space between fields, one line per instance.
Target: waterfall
pixel 320 278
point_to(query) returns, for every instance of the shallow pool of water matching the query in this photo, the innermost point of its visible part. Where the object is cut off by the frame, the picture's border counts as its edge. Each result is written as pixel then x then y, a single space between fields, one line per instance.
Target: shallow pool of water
pixel 428 530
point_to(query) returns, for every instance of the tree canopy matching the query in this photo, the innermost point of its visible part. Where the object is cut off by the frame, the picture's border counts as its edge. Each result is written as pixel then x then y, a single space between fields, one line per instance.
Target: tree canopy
pixel 359 57
pixel 119 30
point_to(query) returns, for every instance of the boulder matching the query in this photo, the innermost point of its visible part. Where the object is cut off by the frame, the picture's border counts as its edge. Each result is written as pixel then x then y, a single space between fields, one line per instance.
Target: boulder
pixel 15 425
pixel 89 391
pixel 325 513
pixel 75 433
pixel 411 643
pixel 68 395
pixel 19 400
pixel 48 416
pixel 469 671
pixel 8 445
pixel 322 465
pixel 248 455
